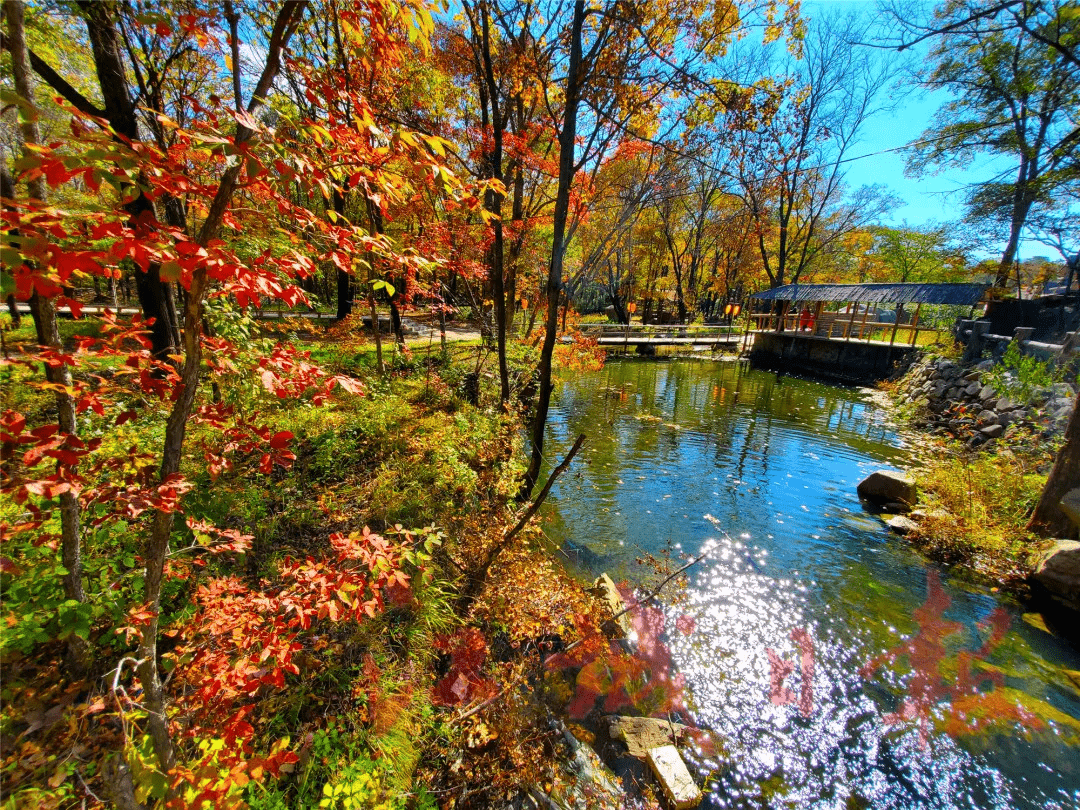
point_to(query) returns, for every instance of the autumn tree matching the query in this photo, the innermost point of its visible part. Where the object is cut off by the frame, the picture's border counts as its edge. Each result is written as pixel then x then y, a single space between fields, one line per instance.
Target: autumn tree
pixel 1039 19
pixel 923 253
pixel 623 72
pixel 790 173
pixel 203 262
pixel 684 217
pixel 43 311
pixel 622 189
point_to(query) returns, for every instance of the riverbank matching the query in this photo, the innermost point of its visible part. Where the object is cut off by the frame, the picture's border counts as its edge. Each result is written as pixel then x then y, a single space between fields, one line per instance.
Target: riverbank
pixel 988 436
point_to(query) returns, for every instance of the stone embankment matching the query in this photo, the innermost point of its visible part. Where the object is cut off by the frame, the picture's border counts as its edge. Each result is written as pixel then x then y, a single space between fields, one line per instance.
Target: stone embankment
pixel 952 399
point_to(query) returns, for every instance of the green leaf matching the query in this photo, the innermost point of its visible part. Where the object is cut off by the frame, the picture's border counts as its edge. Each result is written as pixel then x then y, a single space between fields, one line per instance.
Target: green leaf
pixel 7 281
pixel 28 113
pixel 170 271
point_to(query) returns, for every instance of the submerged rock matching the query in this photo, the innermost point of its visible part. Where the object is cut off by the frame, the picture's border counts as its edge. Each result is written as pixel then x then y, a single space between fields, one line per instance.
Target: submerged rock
pixel 618 625
pixel 886 486
pixel 902 525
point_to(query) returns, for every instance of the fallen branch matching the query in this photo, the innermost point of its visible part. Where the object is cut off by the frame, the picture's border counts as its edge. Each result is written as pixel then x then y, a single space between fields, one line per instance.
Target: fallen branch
pixel 544 492
pixel 652 594
pixel 477 579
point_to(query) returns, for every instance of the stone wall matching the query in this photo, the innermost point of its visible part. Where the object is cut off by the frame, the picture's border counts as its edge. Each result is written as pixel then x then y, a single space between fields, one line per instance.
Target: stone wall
pixel 847 361
pixel 951 398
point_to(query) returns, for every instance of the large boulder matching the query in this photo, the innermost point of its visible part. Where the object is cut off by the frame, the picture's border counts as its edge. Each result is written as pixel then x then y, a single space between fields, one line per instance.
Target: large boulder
pixel 1070 505
pixel 887 486
pixel 1058 573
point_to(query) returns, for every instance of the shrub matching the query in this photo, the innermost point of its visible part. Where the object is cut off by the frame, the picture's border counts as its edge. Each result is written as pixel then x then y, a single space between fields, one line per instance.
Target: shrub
pixel 1022 377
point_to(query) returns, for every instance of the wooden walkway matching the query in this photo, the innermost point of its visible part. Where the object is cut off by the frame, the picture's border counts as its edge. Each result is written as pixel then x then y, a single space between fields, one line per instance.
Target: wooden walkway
pixel 615 335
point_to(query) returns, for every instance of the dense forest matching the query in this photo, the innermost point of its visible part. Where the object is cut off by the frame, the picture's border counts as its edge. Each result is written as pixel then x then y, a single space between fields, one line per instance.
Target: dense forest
pixel 249 559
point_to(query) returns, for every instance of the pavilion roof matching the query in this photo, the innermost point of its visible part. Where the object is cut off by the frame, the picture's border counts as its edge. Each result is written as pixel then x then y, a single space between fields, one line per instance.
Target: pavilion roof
pixel 956 294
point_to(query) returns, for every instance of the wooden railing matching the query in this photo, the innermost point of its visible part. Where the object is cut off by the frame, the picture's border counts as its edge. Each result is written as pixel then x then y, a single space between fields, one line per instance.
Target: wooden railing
pixel 852 325
pixel 657 330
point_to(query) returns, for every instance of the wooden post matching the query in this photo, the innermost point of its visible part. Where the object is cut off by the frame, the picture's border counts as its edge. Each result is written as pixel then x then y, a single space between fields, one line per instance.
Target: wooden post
pixel 851 320
pixel 862 324
pixel 749 317
pixel 895 326
pixel 915 325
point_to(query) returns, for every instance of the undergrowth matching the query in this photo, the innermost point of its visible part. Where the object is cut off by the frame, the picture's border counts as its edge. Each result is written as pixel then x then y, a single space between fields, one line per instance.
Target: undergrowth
pixel 340 707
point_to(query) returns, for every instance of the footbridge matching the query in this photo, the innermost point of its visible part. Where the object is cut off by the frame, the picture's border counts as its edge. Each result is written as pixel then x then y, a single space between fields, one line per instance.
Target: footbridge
pixel 645 336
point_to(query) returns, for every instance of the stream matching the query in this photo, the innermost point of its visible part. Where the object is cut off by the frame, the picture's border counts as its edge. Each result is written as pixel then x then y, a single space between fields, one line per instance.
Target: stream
pixel 834 666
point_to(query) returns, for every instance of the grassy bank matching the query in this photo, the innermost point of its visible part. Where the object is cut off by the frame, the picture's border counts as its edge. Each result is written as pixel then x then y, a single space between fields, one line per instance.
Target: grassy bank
pixel 975 504
pixel 976 498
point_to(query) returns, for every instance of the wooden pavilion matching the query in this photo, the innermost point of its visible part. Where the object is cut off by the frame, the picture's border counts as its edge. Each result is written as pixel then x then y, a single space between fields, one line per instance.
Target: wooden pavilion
pixel 842 330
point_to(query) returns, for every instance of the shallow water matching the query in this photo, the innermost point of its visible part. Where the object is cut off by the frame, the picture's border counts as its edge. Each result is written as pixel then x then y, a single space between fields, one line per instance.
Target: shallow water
pixel 782 632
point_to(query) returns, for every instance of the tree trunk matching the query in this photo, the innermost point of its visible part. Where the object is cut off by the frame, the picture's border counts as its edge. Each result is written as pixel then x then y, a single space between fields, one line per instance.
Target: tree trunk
pixel 7 189
pixel 376 331
pixel 1049 520
pixel 1022 199
pixel 157 547
pixel 344 279
pixel 517 219
pixel 493 203
pixel 121 115
pixel 395 318
pixel 43 312
pixel 558 248
pixel 344 294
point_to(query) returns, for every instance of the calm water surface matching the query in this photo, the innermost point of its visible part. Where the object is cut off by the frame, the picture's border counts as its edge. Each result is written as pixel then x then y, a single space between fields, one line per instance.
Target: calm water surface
pixel 686 455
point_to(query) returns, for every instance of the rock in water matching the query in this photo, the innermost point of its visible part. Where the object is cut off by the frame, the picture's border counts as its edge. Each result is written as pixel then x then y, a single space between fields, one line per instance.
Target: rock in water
pixel 670 770
pixel 885 486
pixel 641 734
pixel 605 587
pixel 902 525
